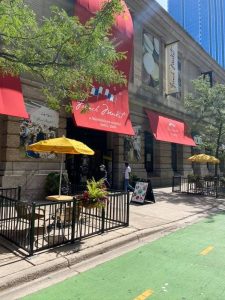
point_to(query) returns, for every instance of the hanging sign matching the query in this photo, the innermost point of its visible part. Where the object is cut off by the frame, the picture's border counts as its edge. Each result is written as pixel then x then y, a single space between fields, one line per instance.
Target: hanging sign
pixel 172 85
pixel 109 108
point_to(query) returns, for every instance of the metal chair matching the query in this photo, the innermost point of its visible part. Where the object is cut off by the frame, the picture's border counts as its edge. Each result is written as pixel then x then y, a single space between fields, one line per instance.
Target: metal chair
pixel 64 217
pixel 25 216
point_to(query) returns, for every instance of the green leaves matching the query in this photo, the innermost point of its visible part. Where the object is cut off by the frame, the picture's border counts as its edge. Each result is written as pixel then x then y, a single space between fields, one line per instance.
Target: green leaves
pixel 96 189
pixel 207 104
pixel 66 56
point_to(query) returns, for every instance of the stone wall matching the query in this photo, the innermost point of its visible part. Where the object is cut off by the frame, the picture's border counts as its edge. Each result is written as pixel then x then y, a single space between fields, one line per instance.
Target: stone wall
pixel 148 15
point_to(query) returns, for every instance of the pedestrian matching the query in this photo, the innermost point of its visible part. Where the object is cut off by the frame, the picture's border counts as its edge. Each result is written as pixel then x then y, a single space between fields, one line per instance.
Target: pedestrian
pixel 127 171
pixel 103 175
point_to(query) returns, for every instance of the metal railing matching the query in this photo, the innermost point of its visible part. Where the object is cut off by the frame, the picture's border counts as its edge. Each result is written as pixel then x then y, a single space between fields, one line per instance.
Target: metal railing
pixel 213 187
pixel 40 225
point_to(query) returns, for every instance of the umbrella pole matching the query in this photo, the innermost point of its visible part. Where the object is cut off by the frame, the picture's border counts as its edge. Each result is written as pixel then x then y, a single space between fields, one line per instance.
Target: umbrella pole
pixel 60 177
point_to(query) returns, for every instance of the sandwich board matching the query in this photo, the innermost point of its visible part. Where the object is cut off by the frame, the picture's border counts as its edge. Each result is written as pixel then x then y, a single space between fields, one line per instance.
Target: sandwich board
pixel 143 192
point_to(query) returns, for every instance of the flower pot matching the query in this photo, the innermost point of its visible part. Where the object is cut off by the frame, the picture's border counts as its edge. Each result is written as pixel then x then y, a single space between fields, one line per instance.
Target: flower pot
pixel 90 205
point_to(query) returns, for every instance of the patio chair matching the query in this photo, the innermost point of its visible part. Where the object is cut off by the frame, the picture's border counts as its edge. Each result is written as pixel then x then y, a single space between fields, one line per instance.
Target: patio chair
pixel 24 217
pixel 64 218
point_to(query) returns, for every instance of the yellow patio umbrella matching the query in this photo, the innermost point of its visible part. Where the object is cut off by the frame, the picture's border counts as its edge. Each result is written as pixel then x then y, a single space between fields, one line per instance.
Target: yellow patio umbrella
pixel 61 145
pixel 204 158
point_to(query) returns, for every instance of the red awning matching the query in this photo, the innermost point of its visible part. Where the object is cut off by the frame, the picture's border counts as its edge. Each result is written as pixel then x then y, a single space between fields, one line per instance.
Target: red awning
pixel 109 105
pixel 11 98
pixel 112 116
pixel 169 130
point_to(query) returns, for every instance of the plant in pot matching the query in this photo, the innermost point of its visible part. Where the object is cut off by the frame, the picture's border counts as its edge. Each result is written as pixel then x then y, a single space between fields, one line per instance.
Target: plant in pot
pixel 209 177
pixel 52 184
pixel 134 179
pixel 192 178
pixel 96 194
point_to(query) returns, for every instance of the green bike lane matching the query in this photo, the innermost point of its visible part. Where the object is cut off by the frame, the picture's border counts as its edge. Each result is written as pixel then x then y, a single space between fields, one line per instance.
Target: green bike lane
pixel 187 264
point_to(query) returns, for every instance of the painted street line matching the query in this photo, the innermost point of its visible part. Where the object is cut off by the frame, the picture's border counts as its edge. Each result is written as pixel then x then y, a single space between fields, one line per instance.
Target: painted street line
pixel 207 250
pixel 145 295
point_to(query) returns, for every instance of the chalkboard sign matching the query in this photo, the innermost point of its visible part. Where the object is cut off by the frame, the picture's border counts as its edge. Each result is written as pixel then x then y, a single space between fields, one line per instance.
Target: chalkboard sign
pixel 143 192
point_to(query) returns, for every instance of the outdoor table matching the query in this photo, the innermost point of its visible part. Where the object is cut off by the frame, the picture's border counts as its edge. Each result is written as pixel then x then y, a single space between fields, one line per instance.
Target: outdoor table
pixel 60 211
pixel 59 198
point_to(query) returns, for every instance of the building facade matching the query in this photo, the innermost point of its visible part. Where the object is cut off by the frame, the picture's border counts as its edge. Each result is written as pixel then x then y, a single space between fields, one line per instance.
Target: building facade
pixel 152 102
pixel 204 21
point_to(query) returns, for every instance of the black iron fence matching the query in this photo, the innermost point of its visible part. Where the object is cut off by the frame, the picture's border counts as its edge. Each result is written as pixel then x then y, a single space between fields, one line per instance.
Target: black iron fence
pixel 208 187
pixel 40 225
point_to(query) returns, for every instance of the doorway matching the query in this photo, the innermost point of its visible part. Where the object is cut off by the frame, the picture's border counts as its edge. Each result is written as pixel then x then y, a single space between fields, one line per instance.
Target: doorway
pixel 80 168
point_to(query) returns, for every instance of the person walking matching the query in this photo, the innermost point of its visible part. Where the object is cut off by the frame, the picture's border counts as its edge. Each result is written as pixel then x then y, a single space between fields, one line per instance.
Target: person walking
pixel 127 186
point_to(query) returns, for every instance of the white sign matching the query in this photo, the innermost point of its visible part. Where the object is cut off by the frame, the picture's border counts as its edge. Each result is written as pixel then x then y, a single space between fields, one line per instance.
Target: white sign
pixel 140 192
pixel 43 115
pixel 172 85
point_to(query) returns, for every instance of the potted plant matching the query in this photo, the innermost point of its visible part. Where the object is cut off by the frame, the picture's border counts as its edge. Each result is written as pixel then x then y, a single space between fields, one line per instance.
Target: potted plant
pixel 192 178
pixel 96 194
pixel 52 184
pixel 209 177
pixel 196 179
pixel 222 185
pixel 134 179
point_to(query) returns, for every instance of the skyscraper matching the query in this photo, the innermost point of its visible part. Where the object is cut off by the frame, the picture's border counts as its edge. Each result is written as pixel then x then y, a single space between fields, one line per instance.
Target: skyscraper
pixel 204 20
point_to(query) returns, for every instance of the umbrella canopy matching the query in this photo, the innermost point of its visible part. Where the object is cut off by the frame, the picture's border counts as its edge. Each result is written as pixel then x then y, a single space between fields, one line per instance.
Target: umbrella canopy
pixel 204 158
pixel 61 145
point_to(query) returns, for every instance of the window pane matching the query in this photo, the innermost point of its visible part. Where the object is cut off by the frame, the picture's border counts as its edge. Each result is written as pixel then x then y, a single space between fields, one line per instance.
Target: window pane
pixel 149 152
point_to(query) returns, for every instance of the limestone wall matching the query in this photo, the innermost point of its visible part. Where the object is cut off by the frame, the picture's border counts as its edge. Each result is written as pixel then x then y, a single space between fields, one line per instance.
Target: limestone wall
pixel 149 16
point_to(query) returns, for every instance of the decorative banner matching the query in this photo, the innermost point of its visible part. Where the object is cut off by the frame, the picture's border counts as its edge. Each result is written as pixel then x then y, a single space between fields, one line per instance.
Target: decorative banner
pixel 172 85
pixel 150 60
pixel 109 108
pixel 132 146
pixel 42 125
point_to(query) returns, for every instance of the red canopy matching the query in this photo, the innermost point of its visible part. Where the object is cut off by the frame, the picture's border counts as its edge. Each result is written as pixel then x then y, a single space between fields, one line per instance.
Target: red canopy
pixel 106 115
pixel 169 130
pixel 109 108
pixel 11 97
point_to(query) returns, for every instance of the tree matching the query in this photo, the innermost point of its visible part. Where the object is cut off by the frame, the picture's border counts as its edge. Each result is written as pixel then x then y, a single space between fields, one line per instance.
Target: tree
pixel 65 55
pixel 207 104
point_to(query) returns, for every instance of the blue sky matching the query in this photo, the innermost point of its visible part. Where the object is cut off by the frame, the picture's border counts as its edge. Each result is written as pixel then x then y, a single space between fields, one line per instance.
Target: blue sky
pixel 163 3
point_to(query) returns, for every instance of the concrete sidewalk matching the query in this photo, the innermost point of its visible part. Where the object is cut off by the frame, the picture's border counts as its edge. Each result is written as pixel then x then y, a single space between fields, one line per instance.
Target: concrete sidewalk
pixel 170 212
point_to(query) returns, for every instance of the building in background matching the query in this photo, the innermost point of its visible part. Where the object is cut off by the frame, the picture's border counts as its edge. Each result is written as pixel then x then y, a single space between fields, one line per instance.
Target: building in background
pixel 165 60
pixel 204 20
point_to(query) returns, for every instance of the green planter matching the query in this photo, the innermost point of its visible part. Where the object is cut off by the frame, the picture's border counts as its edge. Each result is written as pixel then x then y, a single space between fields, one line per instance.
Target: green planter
pixel 52 184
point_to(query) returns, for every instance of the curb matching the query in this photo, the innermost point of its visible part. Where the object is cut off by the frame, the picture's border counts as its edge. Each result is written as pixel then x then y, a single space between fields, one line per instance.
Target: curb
pixel 70 260
pixel 46 268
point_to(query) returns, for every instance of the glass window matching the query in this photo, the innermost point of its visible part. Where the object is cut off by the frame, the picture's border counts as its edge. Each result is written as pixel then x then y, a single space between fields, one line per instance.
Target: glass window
pixel 149 152
pixel 174 157
pixel 150 60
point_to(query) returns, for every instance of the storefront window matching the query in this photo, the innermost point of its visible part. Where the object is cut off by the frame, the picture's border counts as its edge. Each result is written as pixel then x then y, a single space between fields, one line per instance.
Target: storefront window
pixel 150 60
pixel 174 157
pixel 149 152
